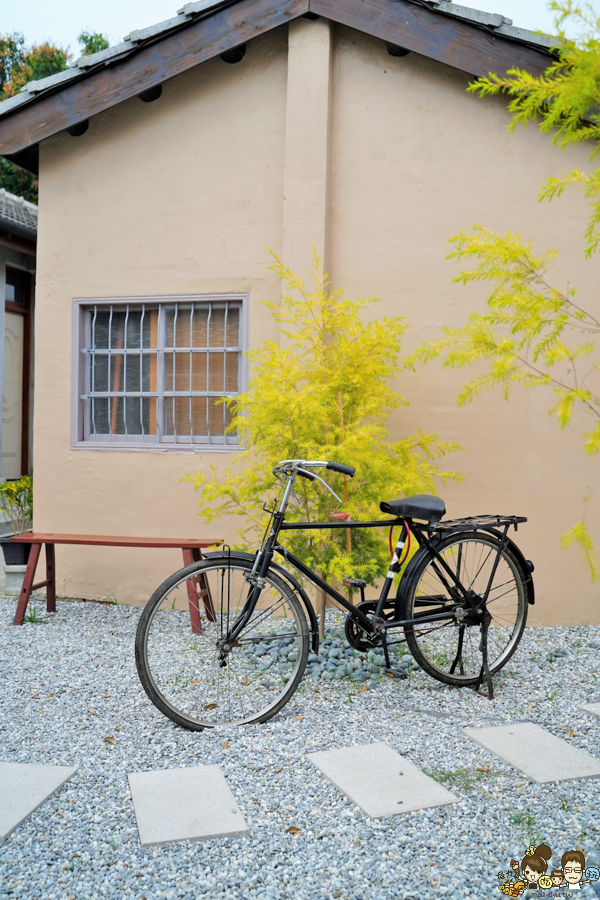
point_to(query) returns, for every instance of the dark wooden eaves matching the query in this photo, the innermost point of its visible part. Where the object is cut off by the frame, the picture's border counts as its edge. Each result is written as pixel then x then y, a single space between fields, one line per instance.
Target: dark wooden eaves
pixel 455 42
pixel 433 34
pixel 27 247
pixel 143 69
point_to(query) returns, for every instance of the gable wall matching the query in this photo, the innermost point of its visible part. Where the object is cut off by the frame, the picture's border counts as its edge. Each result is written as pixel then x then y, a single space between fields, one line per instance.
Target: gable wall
pixel 172 197
pixel 415 160
pixel 180 196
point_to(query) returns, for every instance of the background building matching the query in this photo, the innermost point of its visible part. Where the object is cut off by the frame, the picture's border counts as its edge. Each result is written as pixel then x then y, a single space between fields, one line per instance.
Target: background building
pixel 166 165
pixel 18 235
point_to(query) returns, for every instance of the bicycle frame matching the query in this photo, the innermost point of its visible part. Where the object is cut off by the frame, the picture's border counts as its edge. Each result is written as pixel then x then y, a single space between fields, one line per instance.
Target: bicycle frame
pixel 359 617
pixel 373 624
pixel 472 609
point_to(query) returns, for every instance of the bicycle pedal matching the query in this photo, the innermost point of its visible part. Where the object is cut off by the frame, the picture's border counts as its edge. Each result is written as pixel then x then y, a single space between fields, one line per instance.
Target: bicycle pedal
pixel 396 673
pixel 354 582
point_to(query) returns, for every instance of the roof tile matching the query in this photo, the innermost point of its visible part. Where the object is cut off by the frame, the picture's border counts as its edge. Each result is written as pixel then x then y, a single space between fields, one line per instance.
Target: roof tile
pixel 494 20
pixel 93 59
pixel 142 34
pixel 42 84
pixel 17 210
pixel 533 37
pixel 192 9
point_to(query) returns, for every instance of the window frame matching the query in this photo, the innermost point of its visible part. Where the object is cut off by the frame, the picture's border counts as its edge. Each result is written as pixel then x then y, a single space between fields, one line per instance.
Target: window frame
pixel 80 330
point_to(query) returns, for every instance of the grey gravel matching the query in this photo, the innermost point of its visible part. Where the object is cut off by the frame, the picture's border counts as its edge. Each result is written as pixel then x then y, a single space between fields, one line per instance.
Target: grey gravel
pixel 70 682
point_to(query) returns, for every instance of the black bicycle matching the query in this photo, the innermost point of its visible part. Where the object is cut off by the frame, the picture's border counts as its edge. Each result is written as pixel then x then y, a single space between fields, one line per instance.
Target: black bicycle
pixel 225 640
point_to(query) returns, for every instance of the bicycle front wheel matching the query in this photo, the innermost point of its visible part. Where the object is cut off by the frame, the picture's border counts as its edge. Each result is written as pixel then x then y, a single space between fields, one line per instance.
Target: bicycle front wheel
pixel 449 651
pixel 178 655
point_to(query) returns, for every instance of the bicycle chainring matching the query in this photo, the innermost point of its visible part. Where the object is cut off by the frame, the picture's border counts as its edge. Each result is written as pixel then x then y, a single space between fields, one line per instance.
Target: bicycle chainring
pixel 355 635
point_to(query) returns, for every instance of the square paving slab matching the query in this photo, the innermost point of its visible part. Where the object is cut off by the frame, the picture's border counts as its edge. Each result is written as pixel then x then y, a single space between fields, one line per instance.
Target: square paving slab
pixel 23 788
pixel 185 805
pixel 379 780
pixel 536 752
pixel 593 708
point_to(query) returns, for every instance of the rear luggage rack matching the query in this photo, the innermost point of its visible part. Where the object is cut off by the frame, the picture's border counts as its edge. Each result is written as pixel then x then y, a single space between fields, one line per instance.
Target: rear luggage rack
pixel 472 523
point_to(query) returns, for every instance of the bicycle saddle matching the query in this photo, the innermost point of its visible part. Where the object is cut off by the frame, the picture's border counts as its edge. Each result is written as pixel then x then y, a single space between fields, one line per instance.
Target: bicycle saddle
pixel 421 506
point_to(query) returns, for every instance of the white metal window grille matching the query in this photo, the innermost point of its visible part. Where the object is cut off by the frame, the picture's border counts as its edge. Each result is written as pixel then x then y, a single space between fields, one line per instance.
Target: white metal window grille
pixel 155 372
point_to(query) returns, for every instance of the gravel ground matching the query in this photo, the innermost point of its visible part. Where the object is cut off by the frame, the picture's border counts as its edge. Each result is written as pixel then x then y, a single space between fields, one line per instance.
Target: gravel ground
pixel 71 682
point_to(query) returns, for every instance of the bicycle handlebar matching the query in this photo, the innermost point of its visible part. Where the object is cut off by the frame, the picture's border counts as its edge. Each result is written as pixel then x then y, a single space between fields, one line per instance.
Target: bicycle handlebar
pixel 300 466
pixel 340 467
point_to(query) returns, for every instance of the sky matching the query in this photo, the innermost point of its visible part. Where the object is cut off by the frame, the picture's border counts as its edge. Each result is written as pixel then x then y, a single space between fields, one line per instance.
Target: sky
pixel 60 21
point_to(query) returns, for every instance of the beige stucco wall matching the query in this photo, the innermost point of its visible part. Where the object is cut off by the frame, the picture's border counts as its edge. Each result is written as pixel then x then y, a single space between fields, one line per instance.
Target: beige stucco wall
pixel 179 196
pixel 415 160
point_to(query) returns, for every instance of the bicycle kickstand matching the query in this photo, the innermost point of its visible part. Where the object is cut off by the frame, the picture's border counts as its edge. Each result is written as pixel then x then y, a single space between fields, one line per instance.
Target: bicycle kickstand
pixel 390 671
pixel 485 669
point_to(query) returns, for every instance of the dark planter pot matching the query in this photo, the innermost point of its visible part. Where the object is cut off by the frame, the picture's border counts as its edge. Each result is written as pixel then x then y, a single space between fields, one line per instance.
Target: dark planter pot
pixel 15 554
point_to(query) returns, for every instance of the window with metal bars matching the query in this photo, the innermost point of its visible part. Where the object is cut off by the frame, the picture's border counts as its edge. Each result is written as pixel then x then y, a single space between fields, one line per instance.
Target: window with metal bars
pixel 156 372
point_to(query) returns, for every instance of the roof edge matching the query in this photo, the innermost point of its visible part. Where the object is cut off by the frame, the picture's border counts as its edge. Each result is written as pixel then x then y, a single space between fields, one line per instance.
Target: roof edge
pixel 12 229
pixel 207 28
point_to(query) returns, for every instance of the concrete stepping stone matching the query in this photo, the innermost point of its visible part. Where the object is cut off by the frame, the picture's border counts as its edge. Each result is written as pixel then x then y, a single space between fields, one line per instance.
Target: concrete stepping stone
pixel 593 708
pixel 536 752
pixel 379 780
pixel 24 787
pixel 185 805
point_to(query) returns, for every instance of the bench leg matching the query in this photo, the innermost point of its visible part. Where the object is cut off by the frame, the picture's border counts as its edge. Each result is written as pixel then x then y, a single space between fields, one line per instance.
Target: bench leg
pixel 198 590
pixel 204 590
pixel 51 579
pixel 34 555
pixel 193 594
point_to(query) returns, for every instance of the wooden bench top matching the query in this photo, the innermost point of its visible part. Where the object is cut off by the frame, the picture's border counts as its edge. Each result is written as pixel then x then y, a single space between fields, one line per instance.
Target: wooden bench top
pixel 109 540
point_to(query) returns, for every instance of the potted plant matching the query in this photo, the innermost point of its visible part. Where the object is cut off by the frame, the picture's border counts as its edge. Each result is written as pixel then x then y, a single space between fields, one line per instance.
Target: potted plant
pixel 16 503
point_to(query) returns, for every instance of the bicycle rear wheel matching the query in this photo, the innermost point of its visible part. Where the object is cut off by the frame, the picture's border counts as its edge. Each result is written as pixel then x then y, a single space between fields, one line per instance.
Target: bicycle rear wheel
pixel 183 673
pixel 449 651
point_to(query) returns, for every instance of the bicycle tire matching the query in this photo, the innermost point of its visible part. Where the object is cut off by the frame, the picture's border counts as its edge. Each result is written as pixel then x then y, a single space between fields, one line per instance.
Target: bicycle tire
pixel 436 647
pixel 181 672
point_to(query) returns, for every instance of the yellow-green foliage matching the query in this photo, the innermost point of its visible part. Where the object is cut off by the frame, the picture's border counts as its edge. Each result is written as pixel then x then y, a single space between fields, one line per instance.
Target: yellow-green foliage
pixel 16 502
pixel 292 411
pixel 579 534
pixel 564 100
pixel 532 333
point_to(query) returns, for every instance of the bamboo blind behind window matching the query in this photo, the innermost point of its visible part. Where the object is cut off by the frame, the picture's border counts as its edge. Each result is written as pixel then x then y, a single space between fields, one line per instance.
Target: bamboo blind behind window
pixel 158 373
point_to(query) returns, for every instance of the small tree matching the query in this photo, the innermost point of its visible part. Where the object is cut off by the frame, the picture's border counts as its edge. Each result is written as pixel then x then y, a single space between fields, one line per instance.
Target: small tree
pixel 324 395
pixel 18 181
pixel 535 334
pixel 91 42
pixel 30 64
pixel 11 56
pixel 18 65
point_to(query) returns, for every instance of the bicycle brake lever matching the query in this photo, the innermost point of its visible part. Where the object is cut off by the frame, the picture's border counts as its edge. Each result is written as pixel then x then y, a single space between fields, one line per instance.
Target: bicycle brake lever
pixel 330 489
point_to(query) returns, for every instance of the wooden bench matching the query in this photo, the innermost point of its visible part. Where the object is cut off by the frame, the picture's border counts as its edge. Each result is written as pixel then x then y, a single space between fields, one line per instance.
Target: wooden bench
pixel 198 589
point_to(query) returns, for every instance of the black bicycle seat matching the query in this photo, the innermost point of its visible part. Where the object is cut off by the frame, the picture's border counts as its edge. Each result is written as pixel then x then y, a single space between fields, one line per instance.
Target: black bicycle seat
pixel 421 506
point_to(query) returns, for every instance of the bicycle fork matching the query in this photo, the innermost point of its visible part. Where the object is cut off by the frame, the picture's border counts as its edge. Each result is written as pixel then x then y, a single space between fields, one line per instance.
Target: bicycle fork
pixel 257 581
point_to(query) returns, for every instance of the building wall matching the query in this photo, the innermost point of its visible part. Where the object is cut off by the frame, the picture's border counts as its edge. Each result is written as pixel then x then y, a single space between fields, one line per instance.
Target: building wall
pixel 173 197
pixel 16 259
pixel 180 196
pixel 415 160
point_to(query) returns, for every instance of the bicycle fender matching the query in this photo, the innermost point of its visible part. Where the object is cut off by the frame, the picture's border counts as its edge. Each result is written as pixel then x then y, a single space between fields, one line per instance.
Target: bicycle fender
pixel 312 616
pixel 528 580
pixel 517 553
